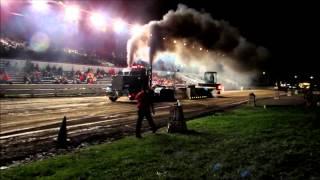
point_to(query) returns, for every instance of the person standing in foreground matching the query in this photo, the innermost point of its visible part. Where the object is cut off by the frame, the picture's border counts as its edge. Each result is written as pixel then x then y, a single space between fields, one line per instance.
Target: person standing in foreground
pixel 145 106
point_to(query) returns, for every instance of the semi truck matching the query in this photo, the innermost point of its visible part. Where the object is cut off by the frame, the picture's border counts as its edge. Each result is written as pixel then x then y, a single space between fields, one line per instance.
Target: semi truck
pixel 129 82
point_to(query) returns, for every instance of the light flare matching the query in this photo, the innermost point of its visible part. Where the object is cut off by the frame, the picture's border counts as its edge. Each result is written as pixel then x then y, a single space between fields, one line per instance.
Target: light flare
pixel 119 25
pixel 98 21
pixel 72 13
pixel 39 5
pixel 39 42
pixel 136 29
pixel 4 3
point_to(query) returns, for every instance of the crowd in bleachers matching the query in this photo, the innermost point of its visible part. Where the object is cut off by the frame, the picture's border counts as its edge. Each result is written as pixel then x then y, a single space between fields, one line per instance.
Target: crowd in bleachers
pixel 31 74
pixel 12 48
pixel 165 80
pixel 58 76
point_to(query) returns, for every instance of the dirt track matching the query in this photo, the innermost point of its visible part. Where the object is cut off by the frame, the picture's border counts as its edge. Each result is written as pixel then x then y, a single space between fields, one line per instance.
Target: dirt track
pixel 33 121
pixel 33 112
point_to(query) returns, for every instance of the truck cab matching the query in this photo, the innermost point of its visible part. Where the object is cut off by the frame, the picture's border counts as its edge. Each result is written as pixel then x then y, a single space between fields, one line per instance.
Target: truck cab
pixel 128 82
pixel 210 77
pixel 210 80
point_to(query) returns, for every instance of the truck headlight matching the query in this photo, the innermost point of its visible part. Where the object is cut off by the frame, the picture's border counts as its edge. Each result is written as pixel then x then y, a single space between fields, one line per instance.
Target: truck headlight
pixel 108 89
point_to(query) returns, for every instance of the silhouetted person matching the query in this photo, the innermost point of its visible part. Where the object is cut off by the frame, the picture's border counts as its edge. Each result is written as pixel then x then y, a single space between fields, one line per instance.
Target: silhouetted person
pixel 145 106
pixel 26 79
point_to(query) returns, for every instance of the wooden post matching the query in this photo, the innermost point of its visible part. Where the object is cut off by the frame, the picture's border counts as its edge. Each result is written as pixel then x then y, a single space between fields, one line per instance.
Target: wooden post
pixel 276 93
pixel 32 91
pixel 177 123
pixel 252 99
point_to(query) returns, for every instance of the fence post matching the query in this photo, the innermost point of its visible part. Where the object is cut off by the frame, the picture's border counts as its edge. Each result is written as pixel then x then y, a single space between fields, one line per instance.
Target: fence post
pixel 32 90
pixel 252 99
pixel 276 93
pixel 177 124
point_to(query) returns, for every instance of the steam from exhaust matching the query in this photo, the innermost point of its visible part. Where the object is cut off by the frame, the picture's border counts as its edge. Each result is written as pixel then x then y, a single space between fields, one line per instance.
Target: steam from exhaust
pixel 195 37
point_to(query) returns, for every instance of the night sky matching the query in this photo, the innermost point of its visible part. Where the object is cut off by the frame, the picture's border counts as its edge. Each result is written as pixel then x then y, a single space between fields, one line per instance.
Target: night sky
pixel 289 30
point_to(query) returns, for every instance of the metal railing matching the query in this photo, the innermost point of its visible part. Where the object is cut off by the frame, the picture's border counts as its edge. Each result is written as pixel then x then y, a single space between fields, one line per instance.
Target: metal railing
pixel 45 90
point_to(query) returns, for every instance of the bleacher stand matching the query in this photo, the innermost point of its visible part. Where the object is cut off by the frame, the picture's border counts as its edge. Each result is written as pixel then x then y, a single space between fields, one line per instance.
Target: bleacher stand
pixel 17 49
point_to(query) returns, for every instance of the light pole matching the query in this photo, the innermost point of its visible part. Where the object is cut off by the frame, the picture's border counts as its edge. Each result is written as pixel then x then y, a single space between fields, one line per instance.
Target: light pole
pixel 264 79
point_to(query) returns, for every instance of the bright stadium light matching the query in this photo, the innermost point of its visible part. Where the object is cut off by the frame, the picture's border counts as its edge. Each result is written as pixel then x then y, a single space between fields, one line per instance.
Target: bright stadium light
pixel 39 5
pixel 4 3
pixel 98 21
pixel 119 26
pixel 72 13
pixel 136 29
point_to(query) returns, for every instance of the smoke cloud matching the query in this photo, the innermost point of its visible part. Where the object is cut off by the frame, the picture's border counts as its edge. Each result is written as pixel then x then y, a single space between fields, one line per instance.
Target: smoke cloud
pixel 196 38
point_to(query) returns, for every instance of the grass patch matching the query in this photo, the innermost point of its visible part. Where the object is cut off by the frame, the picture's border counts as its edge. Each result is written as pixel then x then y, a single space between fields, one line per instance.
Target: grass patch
pixel 254 143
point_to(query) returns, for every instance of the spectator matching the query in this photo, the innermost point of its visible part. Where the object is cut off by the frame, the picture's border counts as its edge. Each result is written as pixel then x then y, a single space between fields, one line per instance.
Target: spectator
pixel 4 77
pixel 145 106
pixel 26 79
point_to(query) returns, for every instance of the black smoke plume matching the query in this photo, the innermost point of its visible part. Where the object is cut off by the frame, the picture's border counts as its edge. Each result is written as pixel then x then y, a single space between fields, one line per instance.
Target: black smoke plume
pixel 191 28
